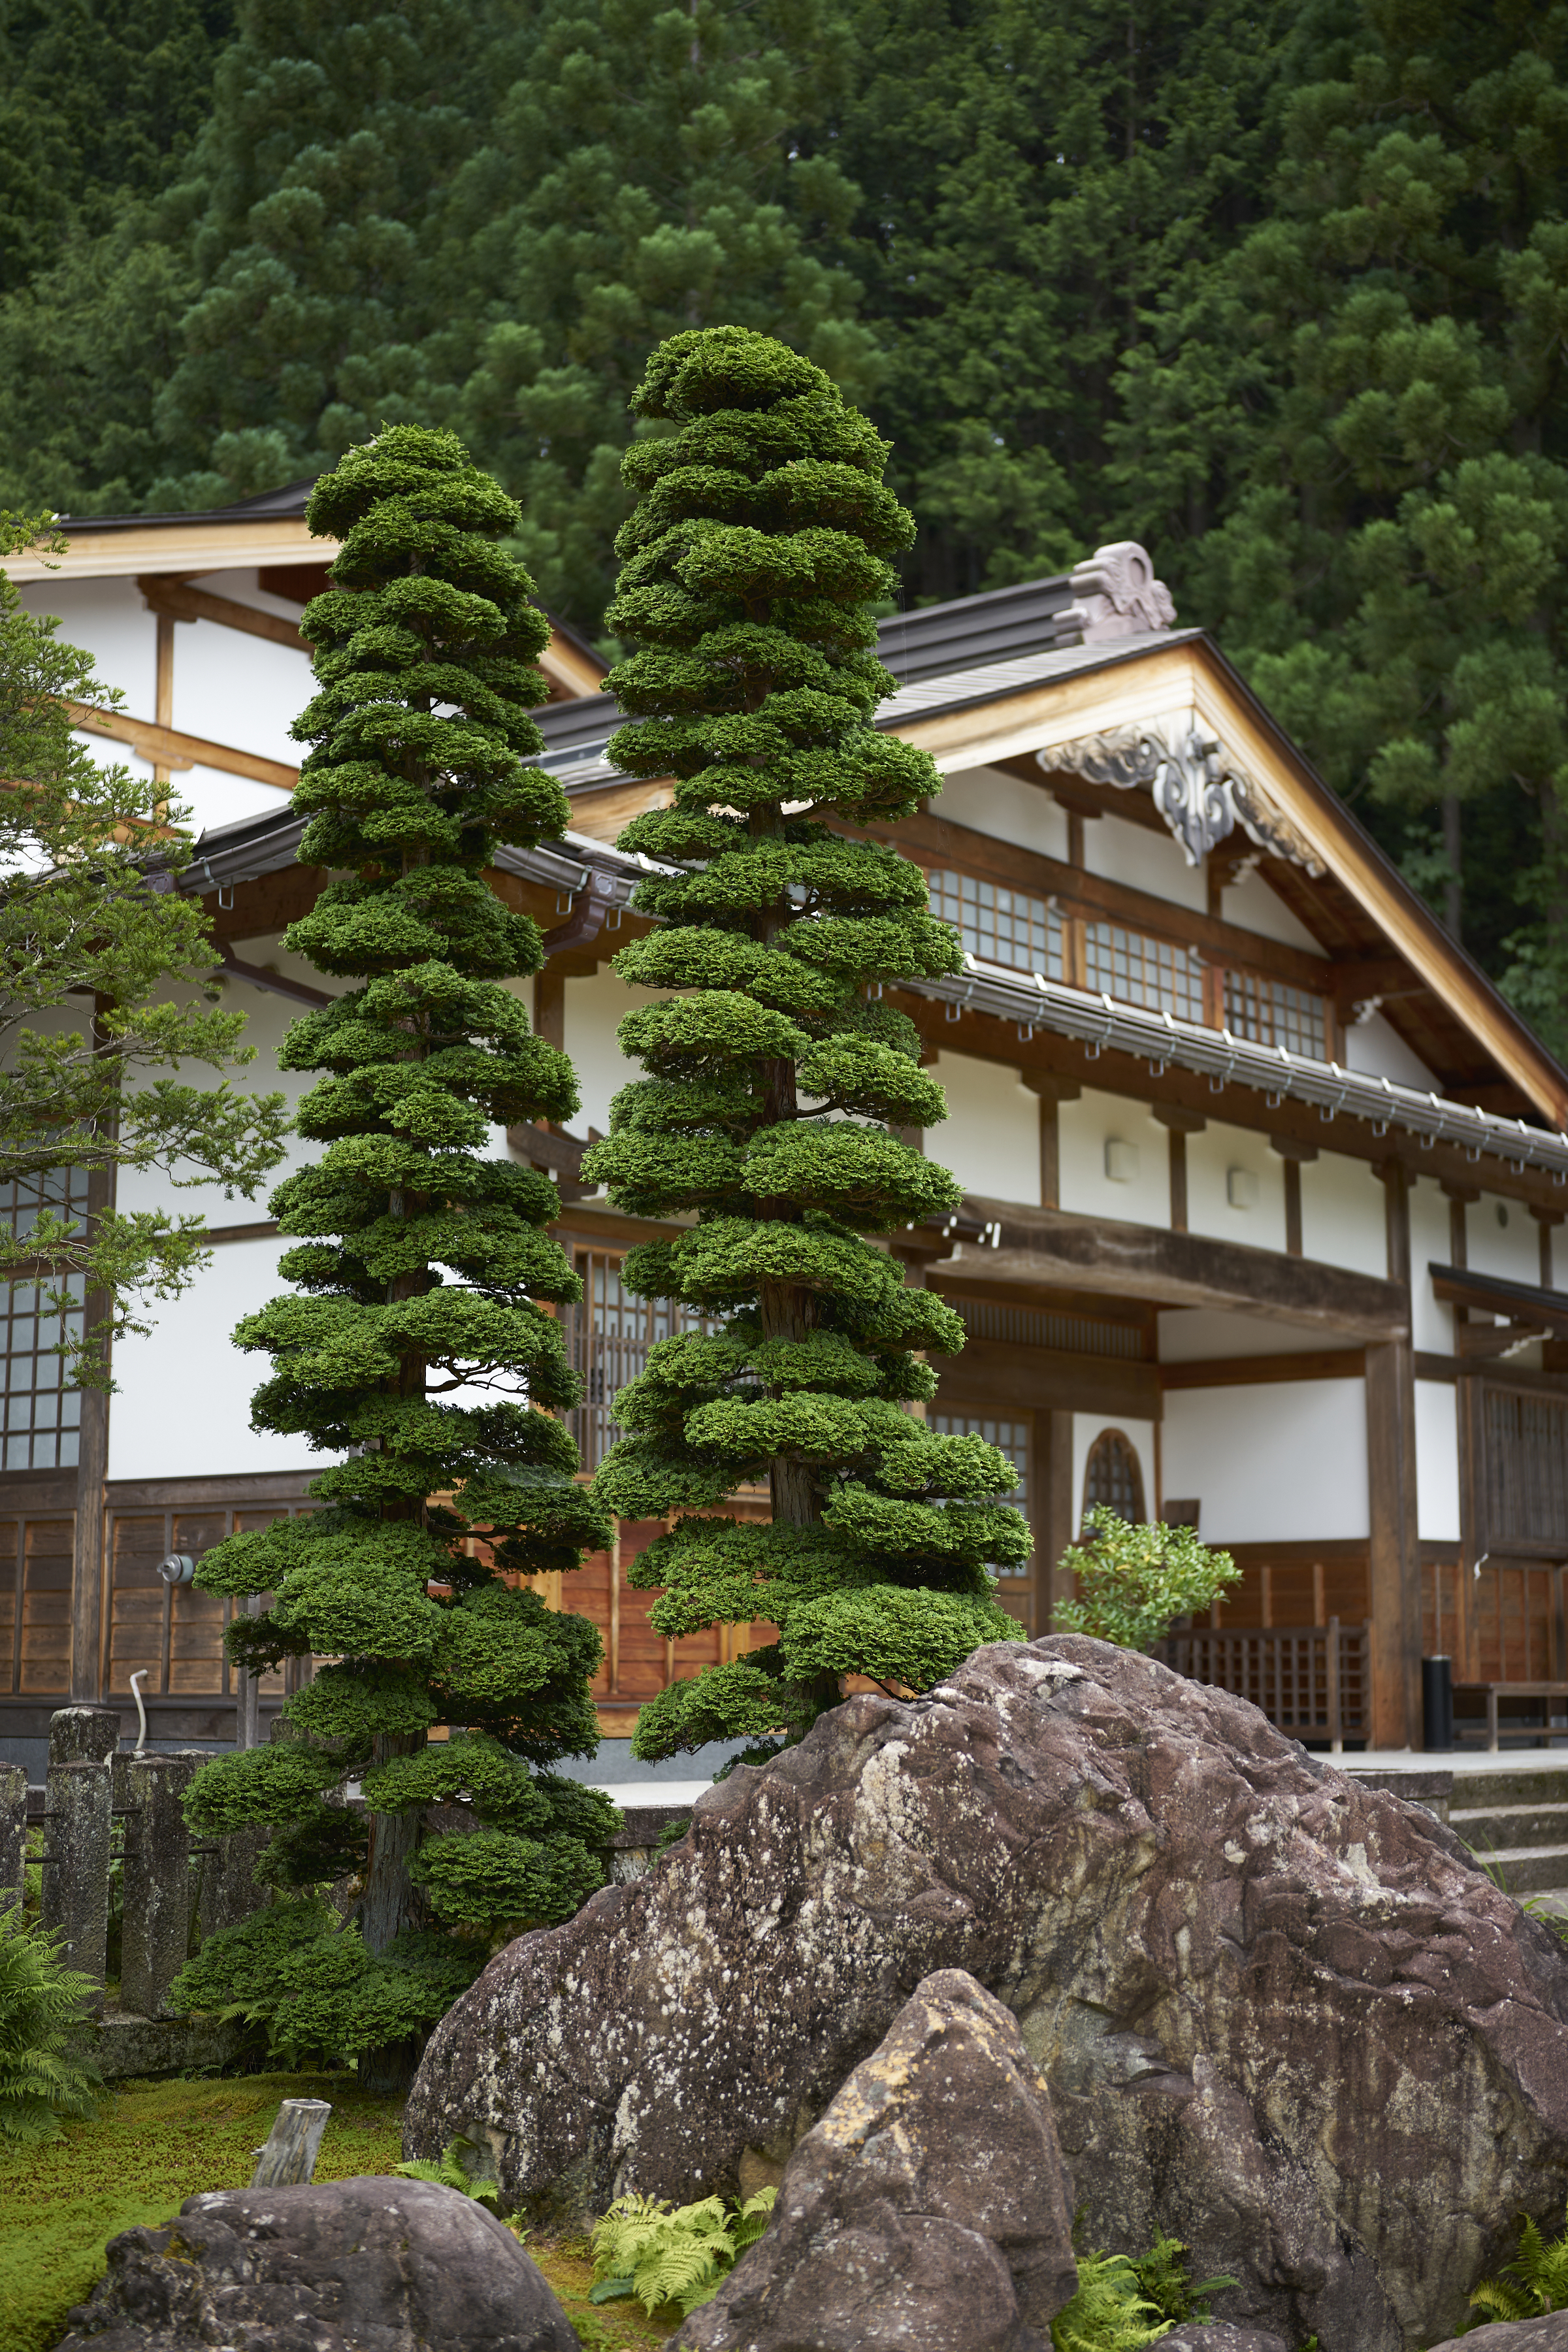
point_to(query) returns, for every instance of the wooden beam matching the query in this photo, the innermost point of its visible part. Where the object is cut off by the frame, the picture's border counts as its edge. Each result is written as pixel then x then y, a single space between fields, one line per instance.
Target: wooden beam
pixel 995 1374
pixel 1293 1247
pixel 165 747
pixel 88 1611
pixel 187 546
pixel 1146 1262
pixel 173 599
pixel 1251 1371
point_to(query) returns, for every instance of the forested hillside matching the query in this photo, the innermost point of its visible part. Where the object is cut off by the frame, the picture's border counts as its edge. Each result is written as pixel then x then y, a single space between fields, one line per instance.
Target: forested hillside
pixel 1279 288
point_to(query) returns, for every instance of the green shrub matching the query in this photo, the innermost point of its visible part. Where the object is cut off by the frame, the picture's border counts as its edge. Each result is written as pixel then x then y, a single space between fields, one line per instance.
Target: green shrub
pixel 43 2005
pixel 1134 1582
pixel 665 2254
pixel 1535 2281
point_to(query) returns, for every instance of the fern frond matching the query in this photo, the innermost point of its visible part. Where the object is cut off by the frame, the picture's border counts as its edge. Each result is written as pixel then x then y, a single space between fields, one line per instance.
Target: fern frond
pixel 1502 2301
pixel 43 2005
pixel 1108 2313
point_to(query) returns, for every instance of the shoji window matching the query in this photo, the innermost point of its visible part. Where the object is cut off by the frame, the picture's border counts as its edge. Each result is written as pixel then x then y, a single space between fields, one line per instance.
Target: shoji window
pixel 1137 970
pixel 1007 927
pixel 42 1416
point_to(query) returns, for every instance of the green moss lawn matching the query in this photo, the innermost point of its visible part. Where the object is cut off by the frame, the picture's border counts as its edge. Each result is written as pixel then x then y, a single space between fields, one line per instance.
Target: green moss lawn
pixel 153 2144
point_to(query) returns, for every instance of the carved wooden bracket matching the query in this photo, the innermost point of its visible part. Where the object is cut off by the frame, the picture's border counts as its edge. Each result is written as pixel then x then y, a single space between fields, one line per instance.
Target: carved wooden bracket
pixel 1200 791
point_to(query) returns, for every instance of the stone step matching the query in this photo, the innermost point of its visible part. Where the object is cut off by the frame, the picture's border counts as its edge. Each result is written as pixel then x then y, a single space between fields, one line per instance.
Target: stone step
pixel 1528 1869
pixel 1497 1791
pixel 1504 1829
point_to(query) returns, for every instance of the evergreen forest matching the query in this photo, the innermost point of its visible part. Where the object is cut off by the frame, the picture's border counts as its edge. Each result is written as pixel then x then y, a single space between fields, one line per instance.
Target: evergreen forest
pixel 1278 289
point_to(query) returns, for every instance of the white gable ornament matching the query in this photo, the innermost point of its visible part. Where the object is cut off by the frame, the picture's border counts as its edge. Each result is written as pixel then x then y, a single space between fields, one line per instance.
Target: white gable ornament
pixel 1199 790
pixel 1118 594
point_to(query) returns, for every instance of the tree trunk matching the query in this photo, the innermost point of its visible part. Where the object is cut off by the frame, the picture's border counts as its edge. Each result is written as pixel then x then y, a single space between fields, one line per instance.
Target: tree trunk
pixel 391 1902
pixel 1454 851
pixel 1554 840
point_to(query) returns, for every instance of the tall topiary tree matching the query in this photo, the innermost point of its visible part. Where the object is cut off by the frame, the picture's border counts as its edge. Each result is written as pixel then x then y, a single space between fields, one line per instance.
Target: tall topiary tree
pixel 414 1343
pixel 761 535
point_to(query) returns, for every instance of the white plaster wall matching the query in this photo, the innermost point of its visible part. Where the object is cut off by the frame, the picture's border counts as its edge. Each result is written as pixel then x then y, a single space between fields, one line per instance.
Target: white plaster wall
pixel 108 618
pixel 1005 807
pixel 1342 1214
pixel 1140 1435
pixel 596 1003
pixel 1377 1047
pixel 1434 1323
pixel 1193 1335
pixel 991 1137
pixel 1211 1155
pixel 1507 1243
pixel 182 1410
pixel 1438 1461
pixel 1086 1127
pixel 1143 860
pixel 1286 1460
pixel 1255 907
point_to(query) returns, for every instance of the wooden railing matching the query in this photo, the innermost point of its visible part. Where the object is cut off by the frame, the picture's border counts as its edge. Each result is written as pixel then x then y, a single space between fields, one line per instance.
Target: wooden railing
pixel 1312 1681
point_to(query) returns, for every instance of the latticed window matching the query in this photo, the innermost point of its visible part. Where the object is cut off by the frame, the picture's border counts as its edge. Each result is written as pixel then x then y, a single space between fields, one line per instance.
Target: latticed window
pixel 1137 970
pixel 1112 1475
pixel 1527 1467
pixel 608 1337
pixel 1013 1438
pixel 1272 1012
pixel 1007 927
pixel 43 1417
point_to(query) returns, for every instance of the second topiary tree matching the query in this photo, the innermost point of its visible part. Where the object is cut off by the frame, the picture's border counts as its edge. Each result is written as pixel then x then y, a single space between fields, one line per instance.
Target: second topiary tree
pixel 777 1077
pixel 414 1343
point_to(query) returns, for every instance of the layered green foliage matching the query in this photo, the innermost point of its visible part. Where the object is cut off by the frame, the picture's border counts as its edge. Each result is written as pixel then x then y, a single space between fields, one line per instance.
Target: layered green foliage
pixel 1133 1582
pixel 83 925
pixel 45 2008
pixel 776 1074
pixel 673 2254
pixel 414 1344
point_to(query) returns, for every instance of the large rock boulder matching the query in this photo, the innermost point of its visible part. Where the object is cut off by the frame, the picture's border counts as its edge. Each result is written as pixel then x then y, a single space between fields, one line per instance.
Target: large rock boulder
pixel 1547 2334
pixel 1283 2017
pixel 928 2211
pixel 352 2266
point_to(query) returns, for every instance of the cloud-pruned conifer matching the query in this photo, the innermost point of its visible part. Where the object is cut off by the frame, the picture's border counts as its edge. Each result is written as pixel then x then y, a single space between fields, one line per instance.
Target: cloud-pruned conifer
pixel 416 1343
pixel 776 1074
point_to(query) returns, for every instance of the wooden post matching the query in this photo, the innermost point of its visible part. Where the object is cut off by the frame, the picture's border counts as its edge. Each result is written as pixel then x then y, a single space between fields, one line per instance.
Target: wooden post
pixel 1293 1153
pixel 1393 1549
pixel 549 1006
pixel 615 1610
pixel 91 1473
pixel 289 2158
pixel 1053 1092
pixel 1179 1124
pixel 1546 1219
pixel 1057 1514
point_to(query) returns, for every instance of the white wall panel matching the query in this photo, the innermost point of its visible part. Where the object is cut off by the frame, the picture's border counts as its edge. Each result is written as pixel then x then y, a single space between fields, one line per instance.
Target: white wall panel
pixel 1255 907
pixel 1005 807
pixel 1211 1155
pixel 108 620
pixel 1434 1323
pixel 1286 1460
pixel 184 1406
pixel 1503 1238
pixel 1087 1126
pixel 596 1003
pixel 1144 860
pixel 991 1136
pixel 1343 1214
pixel 1377 1047
pixel 1191 1335
pixel 1438 1461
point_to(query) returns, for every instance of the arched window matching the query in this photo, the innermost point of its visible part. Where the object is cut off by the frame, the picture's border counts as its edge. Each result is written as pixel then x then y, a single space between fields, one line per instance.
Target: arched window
pixel 1112 1475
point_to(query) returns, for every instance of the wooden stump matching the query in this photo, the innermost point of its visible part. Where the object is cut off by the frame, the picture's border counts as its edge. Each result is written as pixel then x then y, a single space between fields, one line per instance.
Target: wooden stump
pixel 289 2158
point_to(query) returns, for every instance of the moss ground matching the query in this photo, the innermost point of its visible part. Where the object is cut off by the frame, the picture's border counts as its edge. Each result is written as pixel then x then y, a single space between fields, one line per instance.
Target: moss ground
pixel 152 2145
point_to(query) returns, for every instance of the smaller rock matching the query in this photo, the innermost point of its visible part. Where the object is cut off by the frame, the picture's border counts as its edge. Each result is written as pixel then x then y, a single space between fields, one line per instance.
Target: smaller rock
pixel 350 2266
pixel 1547 2334
pixel 929 2211
pixel 1222 2337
